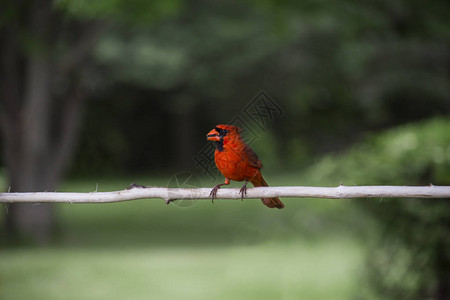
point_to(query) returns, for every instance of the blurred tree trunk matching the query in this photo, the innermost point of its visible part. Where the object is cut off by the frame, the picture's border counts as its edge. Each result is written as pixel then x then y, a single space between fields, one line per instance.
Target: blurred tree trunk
pixel 39 131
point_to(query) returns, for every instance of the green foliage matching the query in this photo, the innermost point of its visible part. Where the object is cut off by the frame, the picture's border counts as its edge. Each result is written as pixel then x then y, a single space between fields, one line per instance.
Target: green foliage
pixel 134 12
pixel 409 256
pixel 414 154
pixel 339 69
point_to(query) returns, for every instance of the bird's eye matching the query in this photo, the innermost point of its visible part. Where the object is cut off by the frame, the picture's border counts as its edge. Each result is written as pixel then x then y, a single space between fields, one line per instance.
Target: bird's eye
pixel 220 131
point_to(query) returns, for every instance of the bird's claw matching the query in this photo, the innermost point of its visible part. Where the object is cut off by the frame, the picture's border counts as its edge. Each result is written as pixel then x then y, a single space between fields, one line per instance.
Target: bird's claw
pixel 243 191
pixel 213 193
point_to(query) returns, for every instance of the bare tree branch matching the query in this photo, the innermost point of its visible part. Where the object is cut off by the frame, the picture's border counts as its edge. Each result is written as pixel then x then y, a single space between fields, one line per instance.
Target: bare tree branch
pixel 170 194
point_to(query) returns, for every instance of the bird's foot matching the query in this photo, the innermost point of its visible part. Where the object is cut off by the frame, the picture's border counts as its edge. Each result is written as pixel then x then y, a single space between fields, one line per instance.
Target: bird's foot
pixel 243 191
pixel 213 193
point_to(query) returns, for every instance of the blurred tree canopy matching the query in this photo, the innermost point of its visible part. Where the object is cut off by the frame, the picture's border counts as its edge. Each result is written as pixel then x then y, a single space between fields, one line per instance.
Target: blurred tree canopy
pixel 340 70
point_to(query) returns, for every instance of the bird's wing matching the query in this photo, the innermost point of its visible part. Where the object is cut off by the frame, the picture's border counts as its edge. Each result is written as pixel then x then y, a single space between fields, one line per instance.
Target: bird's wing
pixel 252 157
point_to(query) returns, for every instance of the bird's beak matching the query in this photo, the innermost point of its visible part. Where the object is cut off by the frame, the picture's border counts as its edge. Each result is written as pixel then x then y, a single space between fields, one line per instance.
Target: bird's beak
pixel 213 135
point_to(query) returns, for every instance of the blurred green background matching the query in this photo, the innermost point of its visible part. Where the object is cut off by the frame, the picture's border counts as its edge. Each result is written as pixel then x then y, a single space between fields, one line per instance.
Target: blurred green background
pixel 95 95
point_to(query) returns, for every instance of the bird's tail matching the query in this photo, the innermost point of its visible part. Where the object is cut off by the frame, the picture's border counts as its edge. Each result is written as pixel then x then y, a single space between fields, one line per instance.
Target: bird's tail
pixel 269 202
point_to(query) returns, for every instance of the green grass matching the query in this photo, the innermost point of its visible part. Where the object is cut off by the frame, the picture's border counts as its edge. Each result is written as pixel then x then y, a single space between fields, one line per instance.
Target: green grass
pixel 228 250
pixel 326 270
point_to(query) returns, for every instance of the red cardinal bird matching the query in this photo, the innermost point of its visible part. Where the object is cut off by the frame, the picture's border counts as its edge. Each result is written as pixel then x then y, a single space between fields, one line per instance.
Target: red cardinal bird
pixel 237 161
